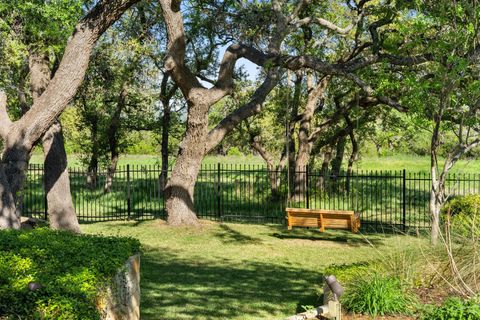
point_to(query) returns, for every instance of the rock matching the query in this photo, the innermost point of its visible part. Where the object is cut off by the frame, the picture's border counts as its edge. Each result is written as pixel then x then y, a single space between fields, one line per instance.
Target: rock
pixel 34 286
pixel 123 296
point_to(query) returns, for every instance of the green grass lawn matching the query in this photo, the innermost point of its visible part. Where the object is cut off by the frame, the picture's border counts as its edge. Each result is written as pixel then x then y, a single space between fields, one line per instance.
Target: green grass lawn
pixel 145 159
pixel 398 162
pixel 412 164
pixel 239 271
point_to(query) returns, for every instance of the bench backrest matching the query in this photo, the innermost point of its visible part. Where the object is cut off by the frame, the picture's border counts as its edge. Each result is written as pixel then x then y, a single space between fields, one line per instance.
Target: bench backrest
pixel 328 214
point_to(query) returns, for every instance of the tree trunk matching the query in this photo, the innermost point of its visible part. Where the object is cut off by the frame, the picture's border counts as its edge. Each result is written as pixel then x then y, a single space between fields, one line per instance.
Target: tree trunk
pixel 92 170
pixel 435 212
pixel 339 152
pixel 352 159
pixel 315 93
pixel 273 172
pixel 378 147
pixel 324 174
pixel 13 170
pixel 9 218
pixel 113 138
pixel 180 187
pixel 61 212
pixel 293 170
pixel 165 134
pixel 112 168
pixel 301 161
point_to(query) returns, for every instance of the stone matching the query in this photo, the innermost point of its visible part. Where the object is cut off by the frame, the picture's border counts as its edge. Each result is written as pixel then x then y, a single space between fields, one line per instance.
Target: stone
pixel 122 301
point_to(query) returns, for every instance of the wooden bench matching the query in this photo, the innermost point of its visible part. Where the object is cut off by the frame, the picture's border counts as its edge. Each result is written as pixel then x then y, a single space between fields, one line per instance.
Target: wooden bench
pixel 321 218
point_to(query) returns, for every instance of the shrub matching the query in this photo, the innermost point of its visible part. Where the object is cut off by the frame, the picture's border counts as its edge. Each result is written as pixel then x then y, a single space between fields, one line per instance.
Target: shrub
pixel 71 269
pixel 464 210
pixel 345 273
pixel 454 309
pixel 375 294
pixel 234 151
pixel 458 264
pixel 466 205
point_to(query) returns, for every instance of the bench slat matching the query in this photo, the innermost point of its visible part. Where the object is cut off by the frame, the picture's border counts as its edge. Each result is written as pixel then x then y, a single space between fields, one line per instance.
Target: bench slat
pixel 302 210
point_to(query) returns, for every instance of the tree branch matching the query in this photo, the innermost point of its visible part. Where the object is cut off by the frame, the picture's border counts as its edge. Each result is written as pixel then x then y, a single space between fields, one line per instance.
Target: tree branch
pixel 254 106
pixel 70 73
pixel 175 57
pixel 328 24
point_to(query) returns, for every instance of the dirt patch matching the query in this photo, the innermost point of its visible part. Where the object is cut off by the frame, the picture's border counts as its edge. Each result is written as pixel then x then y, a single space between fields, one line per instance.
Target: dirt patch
pixel 204 224
pixel 433 295
pixel 364 317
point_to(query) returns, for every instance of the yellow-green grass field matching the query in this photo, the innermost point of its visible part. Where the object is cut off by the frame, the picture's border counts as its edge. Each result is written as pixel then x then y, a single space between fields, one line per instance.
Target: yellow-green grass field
pixel 240 271
pixel 398 162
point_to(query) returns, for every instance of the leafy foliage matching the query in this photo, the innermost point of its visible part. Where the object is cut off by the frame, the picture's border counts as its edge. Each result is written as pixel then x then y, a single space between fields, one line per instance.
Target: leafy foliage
pixel 454 308
pixel 377 294
pixel 345 273
pixel 71 269
pixel 464 211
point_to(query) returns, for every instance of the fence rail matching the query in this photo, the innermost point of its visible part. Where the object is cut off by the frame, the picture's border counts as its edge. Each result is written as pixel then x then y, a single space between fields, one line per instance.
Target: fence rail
pixel 253 194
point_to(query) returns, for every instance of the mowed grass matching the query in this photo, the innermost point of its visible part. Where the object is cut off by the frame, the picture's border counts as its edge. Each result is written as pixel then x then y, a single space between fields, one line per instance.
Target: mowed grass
pixel 411 163
pixel 146 159
pixel 239 271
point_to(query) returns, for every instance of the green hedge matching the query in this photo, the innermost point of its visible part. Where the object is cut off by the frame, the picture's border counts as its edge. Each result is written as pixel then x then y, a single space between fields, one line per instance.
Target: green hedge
pixel 73 271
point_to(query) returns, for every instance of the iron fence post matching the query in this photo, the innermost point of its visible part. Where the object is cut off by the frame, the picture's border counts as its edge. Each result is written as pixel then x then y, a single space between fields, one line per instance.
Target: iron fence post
pixel 219 199
pixel 45 196
pixel 129 199
pixel 404 200
pixel 307 193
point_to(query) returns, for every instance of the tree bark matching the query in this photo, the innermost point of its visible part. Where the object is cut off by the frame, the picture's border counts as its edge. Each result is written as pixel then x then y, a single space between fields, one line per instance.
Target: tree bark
pixel 273 171
pixel 315 93
pixel 352 159
pixel 165 97
pixel 113 138
pixel 60 209
pixel 180 188
pixel 92 170
pixel 324 174
pixel 165 134
pixel 61 212
pixel 339 153
pixel 9 217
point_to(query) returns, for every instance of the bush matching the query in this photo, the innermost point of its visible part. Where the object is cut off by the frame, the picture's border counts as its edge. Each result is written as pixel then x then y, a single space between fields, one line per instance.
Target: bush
pixel 375 294
pixel 345 273
pixel 234 151
pixel 72 270
pixel 454 309
pixel 464 210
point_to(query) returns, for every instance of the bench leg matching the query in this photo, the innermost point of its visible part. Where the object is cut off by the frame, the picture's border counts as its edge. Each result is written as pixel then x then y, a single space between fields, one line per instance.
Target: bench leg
pixel 355 226
pixel 289 224
pixel 321 225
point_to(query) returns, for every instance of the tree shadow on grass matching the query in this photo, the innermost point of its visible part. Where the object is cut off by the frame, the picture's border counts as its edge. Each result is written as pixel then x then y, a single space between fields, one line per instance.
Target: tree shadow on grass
pixel 229 236
pixel 346 237
pixel 178 288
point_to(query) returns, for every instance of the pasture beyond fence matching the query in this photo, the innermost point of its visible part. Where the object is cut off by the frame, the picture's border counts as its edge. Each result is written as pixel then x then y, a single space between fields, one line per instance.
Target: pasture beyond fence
pixel 248 193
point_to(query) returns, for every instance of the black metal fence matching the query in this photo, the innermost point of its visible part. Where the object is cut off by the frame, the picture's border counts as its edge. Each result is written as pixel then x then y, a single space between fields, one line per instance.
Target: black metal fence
pixel 253 194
